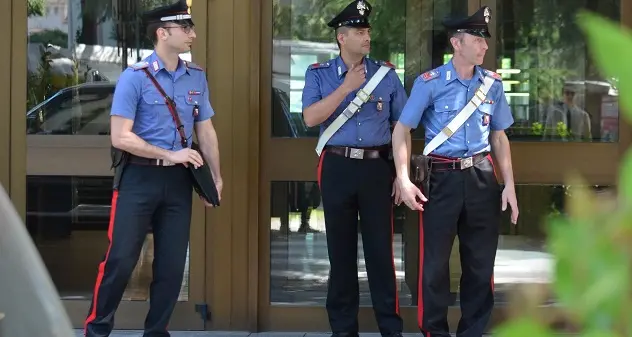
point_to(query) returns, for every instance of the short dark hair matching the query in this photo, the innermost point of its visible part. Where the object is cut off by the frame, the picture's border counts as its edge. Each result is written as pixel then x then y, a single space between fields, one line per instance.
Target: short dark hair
pixel 152 28
pixel 340 30
pixel 455 34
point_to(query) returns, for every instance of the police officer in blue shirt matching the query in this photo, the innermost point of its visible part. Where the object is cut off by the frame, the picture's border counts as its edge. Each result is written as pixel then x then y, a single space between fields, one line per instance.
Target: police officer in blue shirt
pixel 154 191
pixel 354 171
pixel 464 106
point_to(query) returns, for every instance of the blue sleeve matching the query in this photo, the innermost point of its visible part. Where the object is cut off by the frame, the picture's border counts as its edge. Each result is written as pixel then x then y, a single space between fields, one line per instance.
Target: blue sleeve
pixel 311 91
pixel 502 117
pixel 420 98
pixel 398 97
pixel 206 110
pixel 126 95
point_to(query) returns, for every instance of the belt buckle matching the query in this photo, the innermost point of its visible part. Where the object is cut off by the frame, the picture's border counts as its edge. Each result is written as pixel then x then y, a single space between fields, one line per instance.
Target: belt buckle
pixel 466 163
pixel 356 153
pixel 162 162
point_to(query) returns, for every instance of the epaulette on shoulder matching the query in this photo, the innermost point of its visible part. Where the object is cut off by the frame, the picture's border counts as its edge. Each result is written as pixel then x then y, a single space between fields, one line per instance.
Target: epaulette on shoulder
pixel 192 65
pixel 319 65
pixel 429 75
pixel 140 65
pixel 386 63
pixel 493 74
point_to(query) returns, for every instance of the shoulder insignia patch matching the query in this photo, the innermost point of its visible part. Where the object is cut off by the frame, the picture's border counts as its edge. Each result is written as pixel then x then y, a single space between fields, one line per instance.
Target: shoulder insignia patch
pixel 140 65
pixel 429 75
pixel 387 63
pixel 319 65
pixel 192 65
pixel 493 74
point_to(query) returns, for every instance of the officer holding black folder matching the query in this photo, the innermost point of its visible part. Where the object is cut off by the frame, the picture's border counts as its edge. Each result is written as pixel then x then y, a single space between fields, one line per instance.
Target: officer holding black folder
pixel 157 105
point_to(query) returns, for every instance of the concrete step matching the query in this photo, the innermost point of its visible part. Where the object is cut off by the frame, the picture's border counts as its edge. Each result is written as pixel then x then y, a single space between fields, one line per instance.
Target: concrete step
pixel 138 333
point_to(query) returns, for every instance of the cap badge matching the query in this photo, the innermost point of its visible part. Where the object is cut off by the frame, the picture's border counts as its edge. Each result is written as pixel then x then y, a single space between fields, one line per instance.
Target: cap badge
pixel 189 4
pixel 361 7
pixel 487 14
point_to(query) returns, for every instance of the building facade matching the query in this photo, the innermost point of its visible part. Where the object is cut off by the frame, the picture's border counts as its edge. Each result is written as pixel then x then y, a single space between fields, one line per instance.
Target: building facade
pixel 259 262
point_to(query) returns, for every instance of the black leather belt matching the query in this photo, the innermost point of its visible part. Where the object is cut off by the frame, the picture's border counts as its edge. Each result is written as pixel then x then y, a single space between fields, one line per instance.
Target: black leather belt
pixel 149 162
pixel 443 163
pixel 359 153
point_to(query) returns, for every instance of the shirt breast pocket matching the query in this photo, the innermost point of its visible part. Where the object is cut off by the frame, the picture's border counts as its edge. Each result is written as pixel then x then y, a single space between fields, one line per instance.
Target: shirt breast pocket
pixel 188 101
pixel 155 103
pixel 379 102
pixel 445 110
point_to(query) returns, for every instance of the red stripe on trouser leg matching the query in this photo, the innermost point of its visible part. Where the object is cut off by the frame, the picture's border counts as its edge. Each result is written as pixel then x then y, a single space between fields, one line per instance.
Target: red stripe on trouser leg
pixel 393 259
pixel 492 283
pixel 93 313
pixel 491 160
pixel 319 169
pixel 420 297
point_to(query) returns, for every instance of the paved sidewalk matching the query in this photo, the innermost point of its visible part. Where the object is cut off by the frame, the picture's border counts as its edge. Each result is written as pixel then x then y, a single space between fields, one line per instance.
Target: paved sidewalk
pixel 125 333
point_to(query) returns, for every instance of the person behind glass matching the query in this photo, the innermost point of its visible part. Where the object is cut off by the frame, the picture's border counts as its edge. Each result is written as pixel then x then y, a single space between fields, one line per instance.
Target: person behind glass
pixel 464 195
pixel 354 172
pixel 155 191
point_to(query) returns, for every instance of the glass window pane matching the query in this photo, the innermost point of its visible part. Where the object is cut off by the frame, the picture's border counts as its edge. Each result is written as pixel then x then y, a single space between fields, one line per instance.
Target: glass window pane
pixel 67 218
pixel 553 86
pixel 406 33
pixel 299 263
pixel 76 52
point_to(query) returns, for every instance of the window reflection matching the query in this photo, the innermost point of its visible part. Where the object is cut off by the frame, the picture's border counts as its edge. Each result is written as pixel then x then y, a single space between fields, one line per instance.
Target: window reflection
pixel 555 90
pixel 299 264
pixel 67 218
pixel 76 53
pixel 406 33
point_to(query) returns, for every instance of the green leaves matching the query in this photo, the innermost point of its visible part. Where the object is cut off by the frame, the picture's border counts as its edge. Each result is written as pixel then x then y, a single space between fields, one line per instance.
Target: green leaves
pixel 523 327
pixel 626 177
pixel 35 8
pixel 611 47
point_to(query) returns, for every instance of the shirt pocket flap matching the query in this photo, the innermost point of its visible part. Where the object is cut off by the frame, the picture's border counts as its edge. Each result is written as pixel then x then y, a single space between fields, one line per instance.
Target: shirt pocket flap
pixel 154 99
pixel 445 106
pixel 377 97
pixel 486 108
pixel 191 97
pixel 191 100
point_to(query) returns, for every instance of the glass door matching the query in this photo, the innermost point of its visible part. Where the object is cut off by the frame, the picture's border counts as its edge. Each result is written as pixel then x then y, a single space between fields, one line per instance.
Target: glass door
pixel 294 273
pixel 546 69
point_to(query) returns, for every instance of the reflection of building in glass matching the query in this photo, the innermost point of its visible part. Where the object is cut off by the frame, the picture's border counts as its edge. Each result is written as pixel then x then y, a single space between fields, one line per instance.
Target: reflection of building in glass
pixel 290 61
pixel 55 17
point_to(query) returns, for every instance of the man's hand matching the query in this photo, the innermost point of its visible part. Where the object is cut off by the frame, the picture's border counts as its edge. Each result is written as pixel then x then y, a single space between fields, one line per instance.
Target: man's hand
pixel 355 77
pixel 186 156
pixel 396 193
pixel 219 185
pixel 409 194
pixel 509 197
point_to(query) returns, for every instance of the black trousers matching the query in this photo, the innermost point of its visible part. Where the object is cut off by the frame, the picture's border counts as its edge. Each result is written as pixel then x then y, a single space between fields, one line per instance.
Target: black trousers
pixel 149 197
pixel 350 187
pixel 464 203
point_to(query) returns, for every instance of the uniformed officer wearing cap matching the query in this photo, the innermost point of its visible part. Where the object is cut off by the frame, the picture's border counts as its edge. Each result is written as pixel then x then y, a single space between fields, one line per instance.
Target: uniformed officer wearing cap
pixel 354 172
pixel 464 196
pixel 155 190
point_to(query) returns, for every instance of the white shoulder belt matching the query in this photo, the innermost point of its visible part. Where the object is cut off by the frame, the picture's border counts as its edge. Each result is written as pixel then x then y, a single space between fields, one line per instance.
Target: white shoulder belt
pixel 461 117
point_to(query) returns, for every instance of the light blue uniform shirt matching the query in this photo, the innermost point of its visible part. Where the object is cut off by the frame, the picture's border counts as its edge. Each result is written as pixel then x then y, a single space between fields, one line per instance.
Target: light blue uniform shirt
pixel 370 125
pixel 439 95
pixel 136 98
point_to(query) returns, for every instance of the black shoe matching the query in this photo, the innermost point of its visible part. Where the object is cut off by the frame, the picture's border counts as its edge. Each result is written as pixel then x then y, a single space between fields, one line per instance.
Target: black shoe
pixel 345 334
